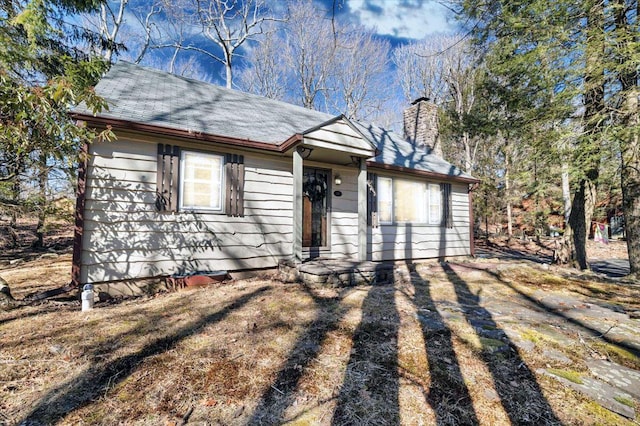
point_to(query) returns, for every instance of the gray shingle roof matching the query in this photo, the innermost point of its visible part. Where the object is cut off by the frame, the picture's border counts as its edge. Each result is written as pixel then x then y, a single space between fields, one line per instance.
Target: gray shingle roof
pixel 149 96
pixel 396 151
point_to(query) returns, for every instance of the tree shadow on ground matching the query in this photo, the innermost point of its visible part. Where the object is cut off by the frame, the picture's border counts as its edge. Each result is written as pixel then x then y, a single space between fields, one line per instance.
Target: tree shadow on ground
pixel 280 395
pixel 34 311
pixel 516 385
pixel 79 392
pixel 508 253
pixel 593 332
pixel 448 394
pixel 369 392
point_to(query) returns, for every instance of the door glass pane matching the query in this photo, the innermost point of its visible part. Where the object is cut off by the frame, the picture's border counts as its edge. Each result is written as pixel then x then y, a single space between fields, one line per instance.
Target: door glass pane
pixel 314 208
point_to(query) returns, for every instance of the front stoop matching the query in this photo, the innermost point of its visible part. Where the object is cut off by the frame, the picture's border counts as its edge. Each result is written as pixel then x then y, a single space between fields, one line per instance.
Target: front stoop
pixel 336 273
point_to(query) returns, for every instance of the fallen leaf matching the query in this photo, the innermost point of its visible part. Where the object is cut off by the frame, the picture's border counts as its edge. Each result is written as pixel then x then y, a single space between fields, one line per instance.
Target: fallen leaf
pixel 210 402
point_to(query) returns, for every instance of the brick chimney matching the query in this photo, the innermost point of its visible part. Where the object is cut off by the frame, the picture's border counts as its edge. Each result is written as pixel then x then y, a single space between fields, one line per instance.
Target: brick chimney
pixel 421 125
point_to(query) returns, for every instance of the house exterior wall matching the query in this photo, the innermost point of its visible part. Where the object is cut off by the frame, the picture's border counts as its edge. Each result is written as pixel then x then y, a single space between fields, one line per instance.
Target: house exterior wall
pixel 344 215
pixel 421 241
pixel 126 238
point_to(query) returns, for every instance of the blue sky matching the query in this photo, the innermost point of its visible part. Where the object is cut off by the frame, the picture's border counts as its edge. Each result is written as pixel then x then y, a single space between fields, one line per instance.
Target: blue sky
pixel 399 20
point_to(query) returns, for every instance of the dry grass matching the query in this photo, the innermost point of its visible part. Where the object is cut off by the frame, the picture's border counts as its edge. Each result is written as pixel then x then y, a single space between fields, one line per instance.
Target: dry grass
pixel 263 352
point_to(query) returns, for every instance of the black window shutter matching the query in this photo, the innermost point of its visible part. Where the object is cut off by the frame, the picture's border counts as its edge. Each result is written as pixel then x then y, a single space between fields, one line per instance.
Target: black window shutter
pixel 447 205
pixel 372 200
pixel 234 171
pixel 167 178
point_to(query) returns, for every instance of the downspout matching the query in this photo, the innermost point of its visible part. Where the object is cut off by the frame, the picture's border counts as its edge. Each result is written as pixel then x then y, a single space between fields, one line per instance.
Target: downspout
pixel 78 230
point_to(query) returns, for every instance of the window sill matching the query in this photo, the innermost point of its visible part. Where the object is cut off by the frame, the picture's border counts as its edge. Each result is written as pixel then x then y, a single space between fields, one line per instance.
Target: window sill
pixel 406 224
pixel 201 211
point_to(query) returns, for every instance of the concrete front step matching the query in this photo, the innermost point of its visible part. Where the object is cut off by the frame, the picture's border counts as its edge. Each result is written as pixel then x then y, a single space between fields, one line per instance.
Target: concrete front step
pixel 337 273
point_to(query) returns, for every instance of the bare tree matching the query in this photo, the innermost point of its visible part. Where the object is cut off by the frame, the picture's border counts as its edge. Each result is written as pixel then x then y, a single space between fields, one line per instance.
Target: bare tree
pixel 145 19
pixel 445 70
pixel 267 74
pixel 107 23
pixel 110 23
pixel 460 71
pixel 228 24
pixel 178 27
pixel 309 51
pixel 421 68
pixel 321 63
pixel 361 62
pixel 119 34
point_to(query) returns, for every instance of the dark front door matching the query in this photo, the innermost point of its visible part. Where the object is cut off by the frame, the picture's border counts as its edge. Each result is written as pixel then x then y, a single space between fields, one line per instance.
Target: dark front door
pixel 315 185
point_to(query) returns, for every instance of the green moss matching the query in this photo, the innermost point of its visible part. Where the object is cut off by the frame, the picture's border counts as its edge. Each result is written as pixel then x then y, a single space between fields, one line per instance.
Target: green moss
pixel 601 414
pixel 532 335
pixel 625 401
pixel 620 355
pixel 488 343
pixel 572 376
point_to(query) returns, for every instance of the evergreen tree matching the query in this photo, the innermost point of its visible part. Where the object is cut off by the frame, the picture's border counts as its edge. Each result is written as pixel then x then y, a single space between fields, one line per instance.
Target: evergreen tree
pixel 551 65
pixel 625 68
pixel 42 74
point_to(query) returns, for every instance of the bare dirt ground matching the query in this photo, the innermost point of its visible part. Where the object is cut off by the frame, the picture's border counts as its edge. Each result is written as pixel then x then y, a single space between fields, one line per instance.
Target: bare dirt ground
pixel 610 259
pixel 543 249
pixel 457 343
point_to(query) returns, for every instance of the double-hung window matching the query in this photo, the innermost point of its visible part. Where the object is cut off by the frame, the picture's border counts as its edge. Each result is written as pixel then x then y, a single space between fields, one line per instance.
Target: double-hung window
pixel 408 201
pixel 199 181
pixel 202 183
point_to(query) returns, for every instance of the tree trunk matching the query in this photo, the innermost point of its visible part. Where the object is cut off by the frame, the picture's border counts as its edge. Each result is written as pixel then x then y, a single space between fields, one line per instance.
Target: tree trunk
pixel 468 160
pixel 13 222
pixel 588 149
pixel 566 192
pixel 42 200
pixel 580 221
pixel 507 191
pixel 229 75
pixel 631 200
pixel 630 143
pixel 15 197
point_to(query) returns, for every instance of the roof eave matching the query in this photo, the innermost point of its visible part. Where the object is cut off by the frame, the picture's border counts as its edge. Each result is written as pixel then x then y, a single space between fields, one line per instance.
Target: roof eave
pixel 121 124
pixel 422 173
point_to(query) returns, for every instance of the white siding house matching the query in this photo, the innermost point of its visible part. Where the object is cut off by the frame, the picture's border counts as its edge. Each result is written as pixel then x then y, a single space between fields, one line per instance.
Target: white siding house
pixel 202 178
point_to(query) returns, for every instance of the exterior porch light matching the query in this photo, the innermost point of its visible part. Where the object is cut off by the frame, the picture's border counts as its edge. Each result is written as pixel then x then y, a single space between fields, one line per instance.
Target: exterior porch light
pixel 305 152
pixel 337 180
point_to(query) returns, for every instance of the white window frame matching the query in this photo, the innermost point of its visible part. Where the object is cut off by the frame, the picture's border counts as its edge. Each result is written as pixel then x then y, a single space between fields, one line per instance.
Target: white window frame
pixel 437 220
pixel 429 219
pixel 183 164
pixel 393 207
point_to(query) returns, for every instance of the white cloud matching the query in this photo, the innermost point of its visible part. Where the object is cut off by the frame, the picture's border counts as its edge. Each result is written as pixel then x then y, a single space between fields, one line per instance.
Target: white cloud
pixel 402 18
